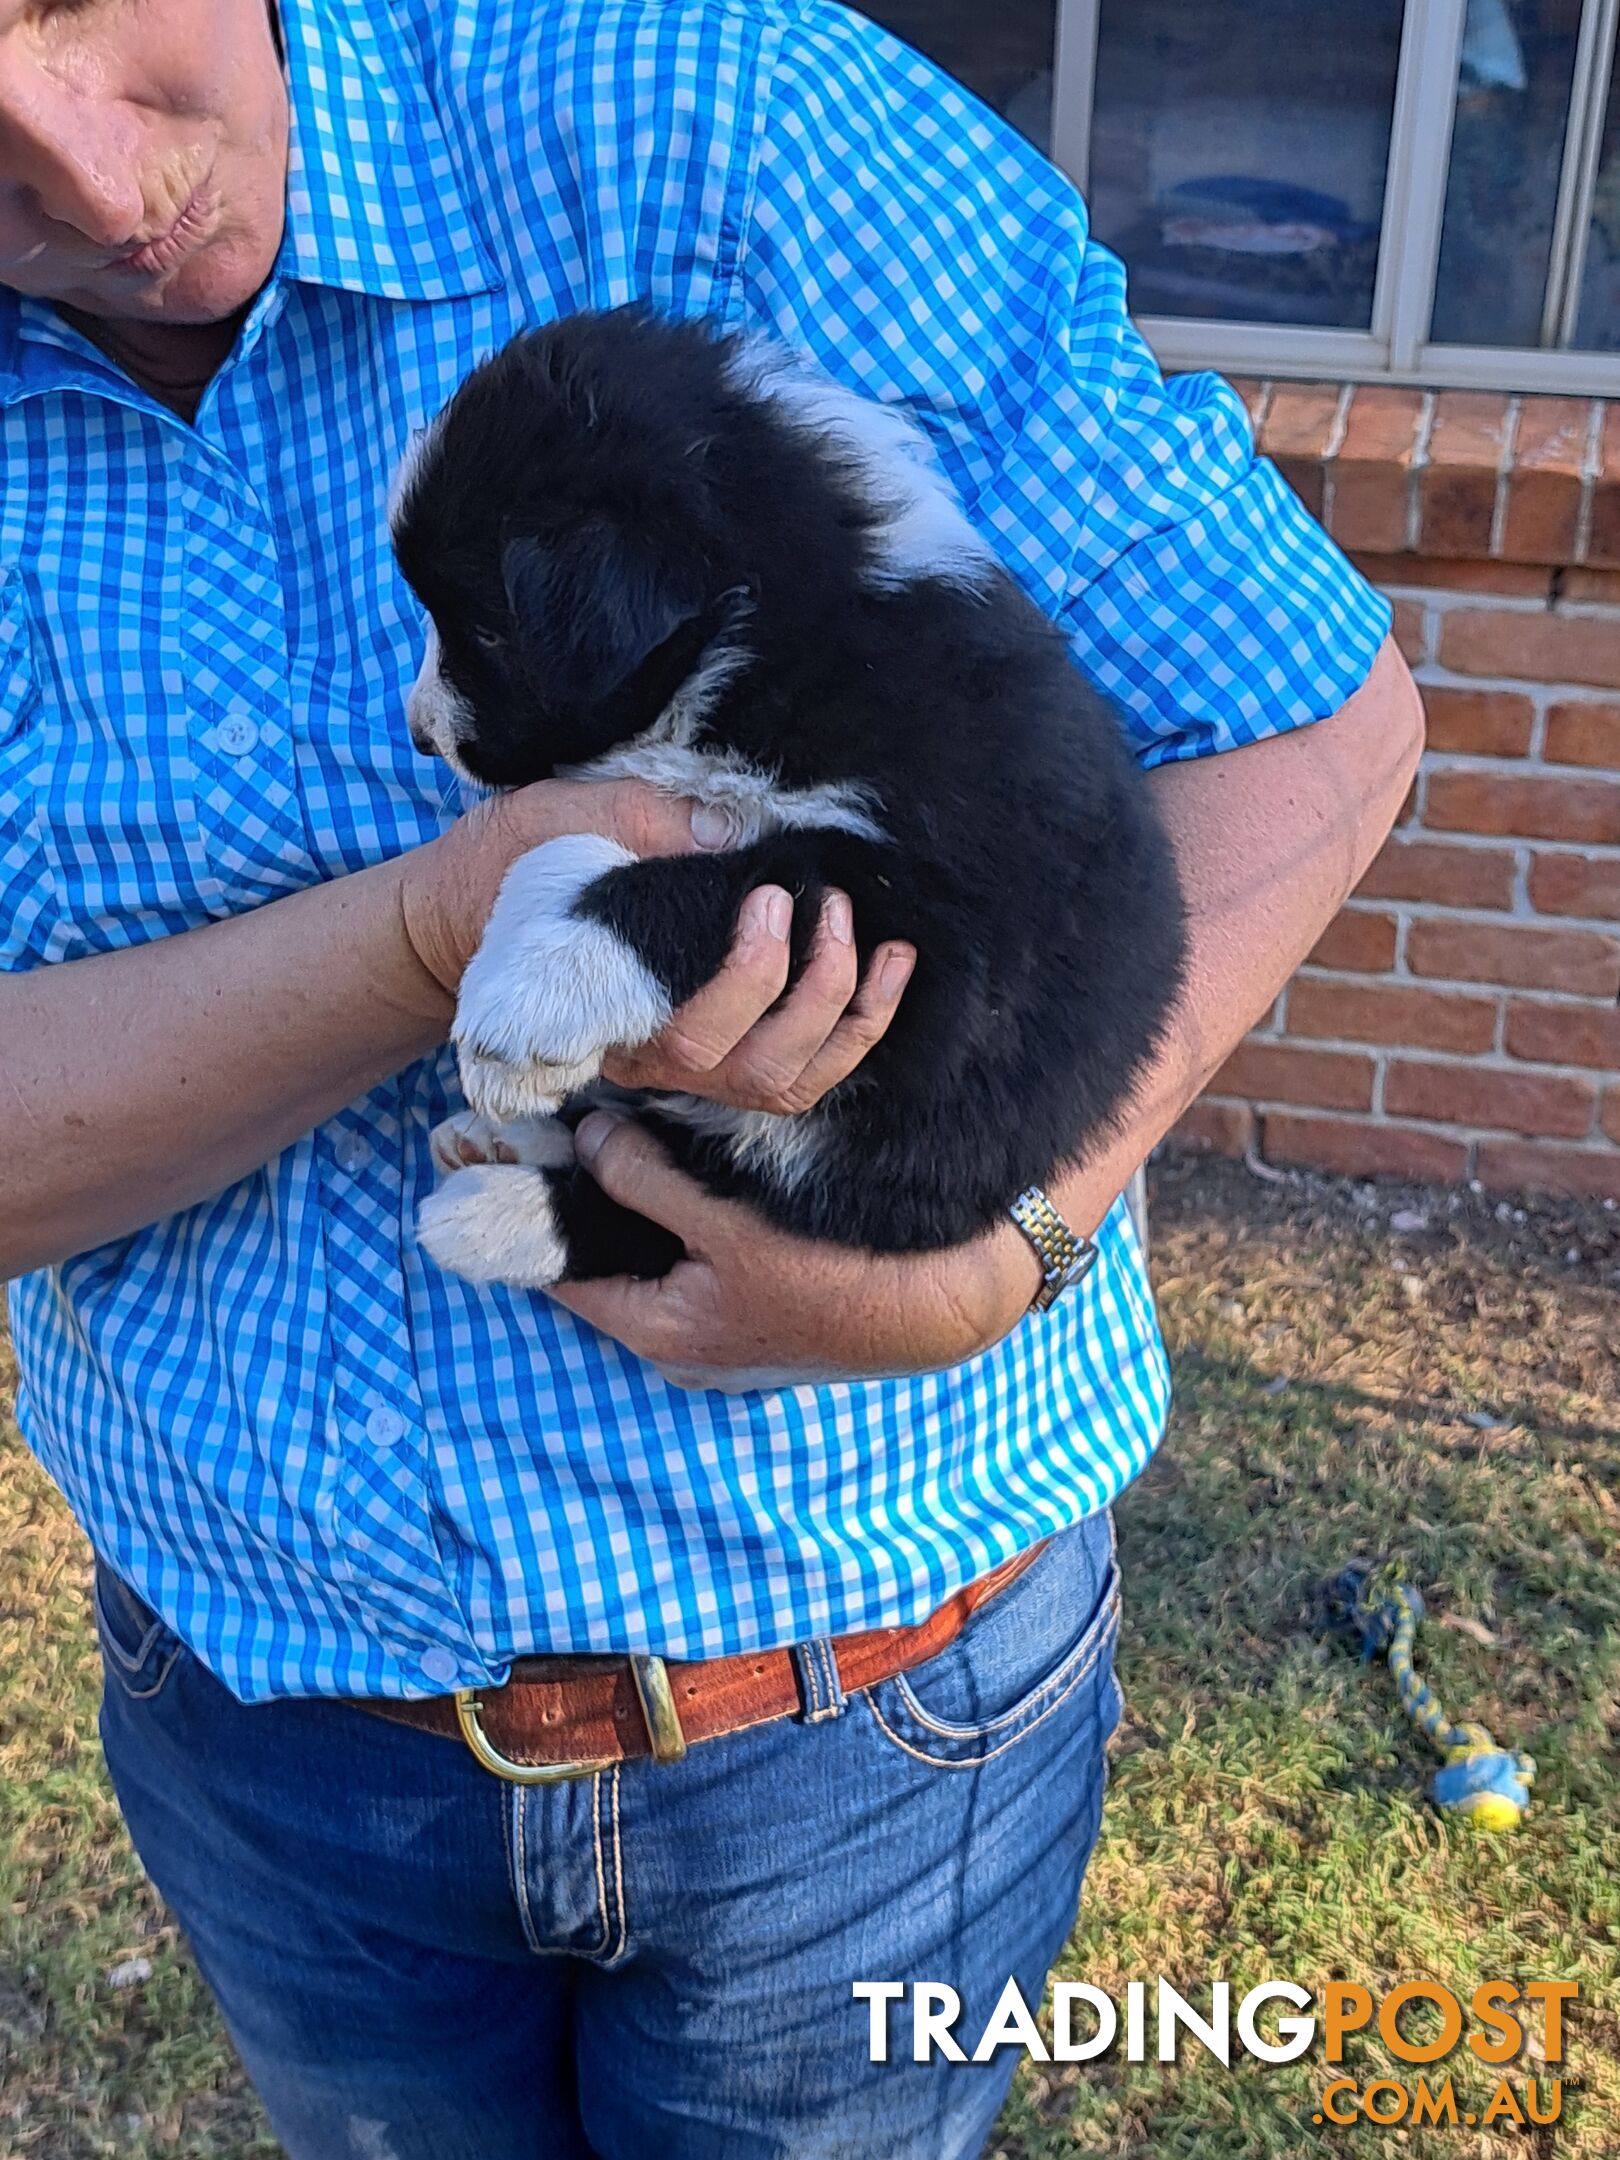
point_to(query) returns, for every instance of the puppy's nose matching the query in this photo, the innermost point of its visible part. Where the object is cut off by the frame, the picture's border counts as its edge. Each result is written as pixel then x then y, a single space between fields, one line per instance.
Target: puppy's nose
pixel 421 733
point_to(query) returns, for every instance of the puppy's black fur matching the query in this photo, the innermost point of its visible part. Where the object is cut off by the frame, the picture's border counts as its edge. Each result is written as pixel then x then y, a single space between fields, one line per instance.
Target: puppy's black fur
pixel 605 506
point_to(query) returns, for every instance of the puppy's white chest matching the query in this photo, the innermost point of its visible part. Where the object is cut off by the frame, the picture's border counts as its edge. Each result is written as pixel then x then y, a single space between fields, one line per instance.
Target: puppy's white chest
pixel 753 802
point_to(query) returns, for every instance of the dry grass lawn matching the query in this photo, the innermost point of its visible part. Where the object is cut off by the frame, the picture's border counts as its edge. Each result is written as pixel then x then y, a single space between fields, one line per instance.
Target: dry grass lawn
pixel 1446 1391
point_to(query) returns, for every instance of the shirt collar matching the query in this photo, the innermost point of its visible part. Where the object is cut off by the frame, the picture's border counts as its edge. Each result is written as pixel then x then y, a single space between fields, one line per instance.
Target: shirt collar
pixel 374 202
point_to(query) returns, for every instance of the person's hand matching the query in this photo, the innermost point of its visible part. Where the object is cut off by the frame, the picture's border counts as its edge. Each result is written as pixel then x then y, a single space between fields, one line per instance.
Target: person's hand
pixel 449 885
pixel 752 1307
pixel 739 1040
pixel 734 1043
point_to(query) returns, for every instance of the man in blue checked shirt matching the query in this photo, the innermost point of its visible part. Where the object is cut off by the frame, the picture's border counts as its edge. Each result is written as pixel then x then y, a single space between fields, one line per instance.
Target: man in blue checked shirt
pixel 390 1566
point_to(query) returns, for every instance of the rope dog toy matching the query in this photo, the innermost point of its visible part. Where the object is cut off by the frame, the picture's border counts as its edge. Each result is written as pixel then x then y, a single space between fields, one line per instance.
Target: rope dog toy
pixel 1487 1785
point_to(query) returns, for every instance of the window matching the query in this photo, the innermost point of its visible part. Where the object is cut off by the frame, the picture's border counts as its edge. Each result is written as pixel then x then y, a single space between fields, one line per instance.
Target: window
pixel 1239 156
pixel 1003 53
pixel 1408 190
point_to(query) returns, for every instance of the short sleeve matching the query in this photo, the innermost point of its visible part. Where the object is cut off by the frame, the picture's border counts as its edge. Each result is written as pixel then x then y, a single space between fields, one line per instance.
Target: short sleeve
pixel 924 253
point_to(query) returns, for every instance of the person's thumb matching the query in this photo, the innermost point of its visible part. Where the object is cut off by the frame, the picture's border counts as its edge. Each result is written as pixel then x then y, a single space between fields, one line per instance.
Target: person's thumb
pixel 646 820
pixel 632 1168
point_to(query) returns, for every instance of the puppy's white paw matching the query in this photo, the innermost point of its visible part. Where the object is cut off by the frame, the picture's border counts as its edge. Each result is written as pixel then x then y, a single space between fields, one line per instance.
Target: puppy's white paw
pixel 494 1222
pixel 548 992
pixel 528 1092
pixel 468 1139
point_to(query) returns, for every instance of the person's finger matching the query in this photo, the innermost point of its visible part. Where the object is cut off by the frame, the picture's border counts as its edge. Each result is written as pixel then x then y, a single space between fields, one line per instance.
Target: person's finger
pixel 643 819
pixel 631 1167
pixel 766 1070
pixel 865 1022
pixel 709 1025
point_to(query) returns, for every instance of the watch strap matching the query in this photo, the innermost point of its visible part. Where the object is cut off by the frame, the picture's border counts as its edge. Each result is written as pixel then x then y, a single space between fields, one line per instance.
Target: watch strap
pixel 1065 1256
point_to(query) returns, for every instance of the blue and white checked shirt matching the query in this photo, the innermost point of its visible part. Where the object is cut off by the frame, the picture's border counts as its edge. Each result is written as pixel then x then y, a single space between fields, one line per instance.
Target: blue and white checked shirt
pixel 332 1468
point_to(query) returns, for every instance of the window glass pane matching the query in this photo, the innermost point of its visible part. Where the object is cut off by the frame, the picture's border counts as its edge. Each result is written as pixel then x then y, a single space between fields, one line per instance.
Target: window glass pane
pixel 1002 52
pixel 1239 150
pixel 1518 64
pixel 1597 326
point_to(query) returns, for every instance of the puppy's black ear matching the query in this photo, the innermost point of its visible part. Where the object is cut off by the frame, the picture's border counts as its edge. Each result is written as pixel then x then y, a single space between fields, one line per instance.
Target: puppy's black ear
pixel 589 612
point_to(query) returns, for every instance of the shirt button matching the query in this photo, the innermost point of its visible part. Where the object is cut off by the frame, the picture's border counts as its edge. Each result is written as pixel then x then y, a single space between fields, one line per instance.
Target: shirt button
pixel 385 1426
pixel 438 1666
pixel 351 1151
pixel 237 734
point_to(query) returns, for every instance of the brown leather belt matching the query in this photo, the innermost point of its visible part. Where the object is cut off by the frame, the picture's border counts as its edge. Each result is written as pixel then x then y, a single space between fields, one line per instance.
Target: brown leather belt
pixel 567 1717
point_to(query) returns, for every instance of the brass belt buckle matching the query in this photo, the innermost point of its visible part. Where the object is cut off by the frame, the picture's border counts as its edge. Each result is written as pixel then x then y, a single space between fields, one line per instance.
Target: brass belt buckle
pixel 658 1711
pixel 657 1700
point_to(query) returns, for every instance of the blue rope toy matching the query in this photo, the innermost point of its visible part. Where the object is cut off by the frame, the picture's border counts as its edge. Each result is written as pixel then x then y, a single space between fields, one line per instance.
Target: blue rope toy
pixel 1487 1785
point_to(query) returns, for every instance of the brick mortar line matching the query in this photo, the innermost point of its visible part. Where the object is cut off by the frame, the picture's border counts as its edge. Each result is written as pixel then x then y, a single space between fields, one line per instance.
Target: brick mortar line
pixel 1445 836
pixel 1591 463
pixel 1435 675
pixel 1576 1000
pixel 1481 1061
pixel 1500 764
pixel 1330 453
pixel 1603 854
pixel 1442 1128
pixel 1445 601
pixel 1478 918
pixel 1338 425
pixel 1472 1137
pixel 1584 610
pixel 1504 473
pixel 1450 599
pixel 1421 446
pixel 1540 728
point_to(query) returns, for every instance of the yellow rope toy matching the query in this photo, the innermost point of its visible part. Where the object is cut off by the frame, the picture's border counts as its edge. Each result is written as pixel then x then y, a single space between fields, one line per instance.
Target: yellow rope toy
pixel 1487 1785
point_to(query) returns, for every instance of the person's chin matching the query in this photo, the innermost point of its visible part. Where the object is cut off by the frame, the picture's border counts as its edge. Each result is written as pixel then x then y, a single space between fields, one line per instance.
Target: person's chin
pixel 216 282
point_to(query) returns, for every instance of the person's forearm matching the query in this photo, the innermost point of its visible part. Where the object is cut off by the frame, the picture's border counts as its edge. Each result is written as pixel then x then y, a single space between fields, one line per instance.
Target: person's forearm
pixel 139 1082
pixel 1270 840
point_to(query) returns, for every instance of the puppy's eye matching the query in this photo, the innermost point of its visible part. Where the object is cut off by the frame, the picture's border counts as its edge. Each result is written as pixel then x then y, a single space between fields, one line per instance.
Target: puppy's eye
pixel 488 640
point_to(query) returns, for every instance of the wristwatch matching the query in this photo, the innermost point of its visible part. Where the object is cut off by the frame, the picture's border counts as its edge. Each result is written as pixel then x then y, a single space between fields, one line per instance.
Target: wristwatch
pixel 1066 1257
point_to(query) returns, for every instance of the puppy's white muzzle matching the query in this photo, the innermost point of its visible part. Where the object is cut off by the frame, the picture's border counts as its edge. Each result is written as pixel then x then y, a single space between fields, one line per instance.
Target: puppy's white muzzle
pixel 437 718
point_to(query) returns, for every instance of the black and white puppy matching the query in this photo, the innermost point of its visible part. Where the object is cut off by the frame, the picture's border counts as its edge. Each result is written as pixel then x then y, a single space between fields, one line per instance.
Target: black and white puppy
pixel 651 549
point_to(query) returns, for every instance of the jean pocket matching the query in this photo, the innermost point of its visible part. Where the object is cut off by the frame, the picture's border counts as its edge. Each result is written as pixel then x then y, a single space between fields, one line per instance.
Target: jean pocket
pixel 138 1650
pixel 1045 1645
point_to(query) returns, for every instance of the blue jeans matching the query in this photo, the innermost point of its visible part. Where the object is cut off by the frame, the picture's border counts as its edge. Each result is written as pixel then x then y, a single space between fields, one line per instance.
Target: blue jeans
pixel 419 1961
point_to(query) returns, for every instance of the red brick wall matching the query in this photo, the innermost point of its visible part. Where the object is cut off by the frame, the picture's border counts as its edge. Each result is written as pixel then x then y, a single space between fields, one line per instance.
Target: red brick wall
pixel 1460 1018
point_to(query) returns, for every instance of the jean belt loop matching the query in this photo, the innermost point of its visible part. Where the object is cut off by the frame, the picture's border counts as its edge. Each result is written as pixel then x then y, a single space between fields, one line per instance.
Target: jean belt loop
pixel 821 1692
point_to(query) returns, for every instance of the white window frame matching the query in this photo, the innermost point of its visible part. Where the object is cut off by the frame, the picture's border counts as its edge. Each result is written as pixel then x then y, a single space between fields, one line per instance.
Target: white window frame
pixel 1397 348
